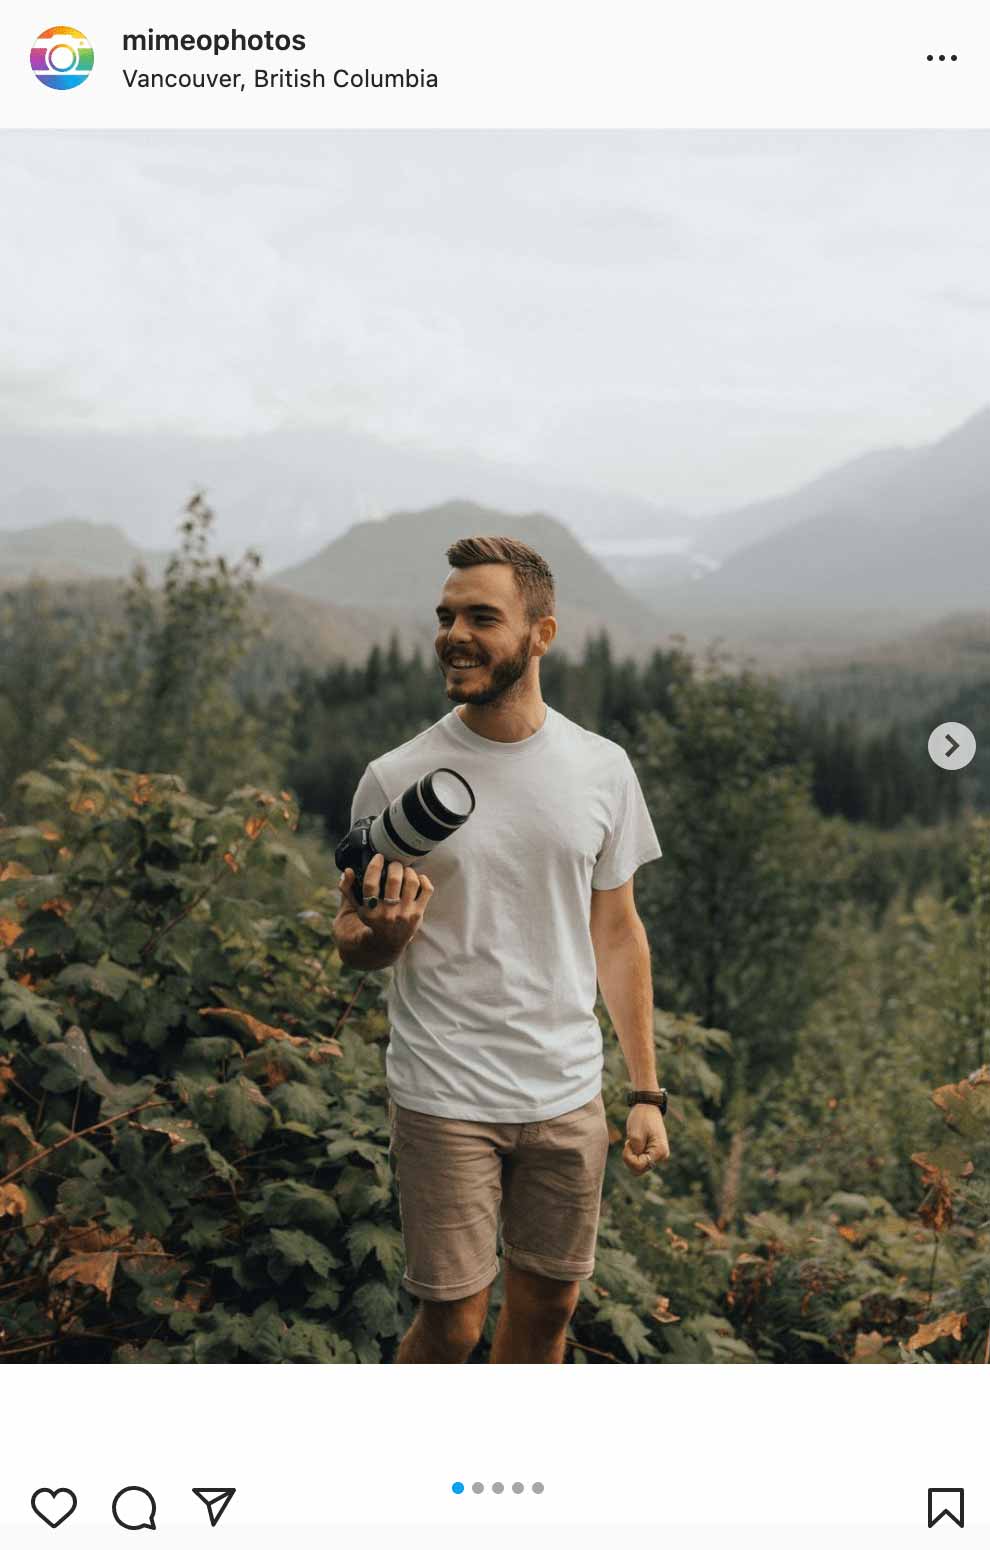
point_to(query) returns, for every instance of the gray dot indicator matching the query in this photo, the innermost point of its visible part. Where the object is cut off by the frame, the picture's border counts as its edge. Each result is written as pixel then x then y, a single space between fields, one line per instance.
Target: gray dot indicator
pixel 518 1488
pixel 477 1488
pixel 498 1487
pixel 537 1487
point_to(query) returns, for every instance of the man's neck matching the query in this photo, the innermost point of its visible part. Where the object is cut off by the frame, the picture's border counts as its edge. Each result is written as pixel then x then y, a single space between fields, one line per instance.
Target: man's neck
pixel 510 722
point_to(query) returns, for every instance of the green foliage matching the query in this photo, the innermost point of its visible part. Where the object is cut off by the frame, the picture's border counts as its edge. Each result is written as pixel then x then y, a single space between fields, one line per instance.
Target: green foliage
pixel 183 648
pixel 193 1128
pixel 193 1134
pixel 154 679
pixel 724 788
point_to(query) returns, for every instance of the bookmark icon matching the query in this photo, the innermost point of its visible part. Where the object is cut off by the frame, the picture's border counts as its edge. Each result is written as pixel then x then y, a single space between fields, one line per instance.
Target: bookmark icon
pixel 216 1499
pixel 946 1502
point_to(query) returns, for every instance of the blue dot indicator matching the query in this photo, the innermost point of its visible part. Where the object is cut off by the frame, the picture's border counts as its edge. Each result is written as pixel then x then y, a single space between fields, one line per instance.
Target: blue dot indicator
pixel 458 1487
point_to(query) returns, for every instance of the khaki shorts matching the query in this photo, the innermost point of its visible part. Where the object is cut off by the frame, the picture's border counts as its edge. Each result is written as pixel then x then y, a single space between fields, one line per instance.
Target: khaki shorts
pixel 458 1177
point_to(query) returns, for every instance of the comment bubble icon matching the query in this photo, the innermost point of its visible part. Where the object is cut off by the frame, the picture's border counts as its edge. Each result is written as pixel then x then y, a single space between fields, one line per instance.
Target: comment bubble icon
pixel 134 1507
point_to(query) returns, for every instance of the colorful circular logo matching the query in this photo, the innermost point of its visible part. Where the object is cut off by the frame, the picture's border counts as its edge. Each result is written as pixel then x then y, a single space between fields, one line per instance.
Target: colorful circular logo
pixel 61 58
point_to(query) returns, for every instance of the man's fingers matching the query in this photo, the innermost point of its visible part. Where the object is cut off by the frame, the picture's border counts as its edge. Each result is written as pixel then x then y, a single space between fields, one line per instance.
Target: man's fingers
pixel 372 882
pixel 636 1162
pixel 393 882
pixel 346 886
pixel 410 885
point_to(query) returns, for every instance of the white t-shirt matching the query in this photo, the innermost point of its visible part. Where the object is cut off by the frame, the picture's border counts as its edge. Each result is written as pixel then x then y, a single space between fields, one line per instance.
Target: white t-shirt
pixel 492 1003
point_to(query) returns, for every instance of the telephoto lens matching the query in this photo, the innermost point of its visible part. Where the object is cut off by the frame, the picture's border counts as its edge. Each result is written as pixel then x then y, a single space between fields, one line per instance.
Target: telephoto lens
pixel 410 827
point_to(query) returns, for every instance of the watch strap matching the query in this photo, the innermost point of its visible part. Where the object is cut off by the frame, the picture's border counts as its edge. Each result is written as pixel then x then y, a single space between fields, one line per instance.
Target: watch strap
pixel 658 1098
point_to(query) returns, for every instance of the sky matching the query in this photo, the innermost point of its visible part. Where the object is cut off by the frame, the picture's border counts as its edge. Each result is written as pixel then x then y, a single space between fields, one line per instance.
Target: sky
pixel 697 318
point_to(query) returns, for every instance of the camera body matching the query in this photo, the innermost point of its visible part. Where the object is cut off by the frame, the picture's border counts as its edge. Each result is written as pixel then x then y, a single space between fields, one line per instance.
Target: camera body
pixel 426 813
pixel 356 851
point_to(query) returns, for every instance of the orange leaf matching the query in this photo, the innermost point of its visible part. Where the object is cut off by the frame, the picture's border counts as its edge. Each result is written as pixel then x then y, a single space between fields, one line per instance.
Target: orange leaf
pixel 849 1233
pixel 96 1270
pixel 949 1324
pixel 712 1232
pixel 942 1096
pixel 59 907
pixel 254 826
pixel 14 869
pixel 678 1245
pixel 49 833
pixel 6 1075
pixel 936 1208
pixel 87 1238
pixel 85 750
pixel 869 1345
pixel 18 1123
pixel 272 1076
pixel 662 1314
pixel 230 861
pixel 82 804
pixel 9 932
pixel 142 791
pixel 13 1201
pixel 322 1050
pixel 252 1025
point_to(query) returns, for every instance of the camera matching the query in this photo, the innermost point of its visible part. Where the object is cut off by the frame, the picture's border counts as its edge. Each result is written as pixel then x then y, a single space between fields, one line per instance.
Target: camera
pixel 426 813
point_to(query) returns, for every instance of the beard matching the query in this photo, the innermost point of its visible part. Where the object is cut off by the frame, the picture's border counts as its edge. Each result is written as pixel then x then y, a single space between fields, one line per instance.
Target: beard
pixel 502 679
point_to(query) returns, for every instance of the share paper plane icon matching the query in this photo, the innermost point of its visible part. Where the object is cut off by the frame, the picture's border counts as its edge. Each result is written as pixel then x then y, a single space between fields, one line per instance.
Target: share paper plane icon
pixel 216 1500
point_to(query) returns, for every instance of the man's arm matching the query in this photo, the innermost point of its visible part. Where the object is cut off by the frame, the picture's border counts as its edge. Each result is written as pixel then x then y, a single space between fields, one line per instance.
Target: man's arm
pixel 622 956
pixel 373 938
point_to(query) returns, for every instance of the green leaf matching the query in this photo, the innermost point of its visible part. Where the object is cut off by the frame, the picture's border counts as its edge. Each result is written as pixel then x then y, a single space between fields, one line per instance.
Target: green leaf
pixel 244 1109
pixel 376 1238
pixel 39 790
pixel 375 1305
pixel 298 1249
pixel 629 1328
pixel 19 1004
pixel 352 1146
pixel 102 979
pixel 129 939
pixel 290 1200
pixel 302 1103
pixel 47 935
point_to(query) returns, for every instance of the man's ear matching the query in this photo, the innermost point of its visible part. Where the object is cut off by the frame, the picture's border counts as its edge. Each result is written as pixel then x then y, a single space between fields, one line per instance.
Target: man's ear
pixel 546 629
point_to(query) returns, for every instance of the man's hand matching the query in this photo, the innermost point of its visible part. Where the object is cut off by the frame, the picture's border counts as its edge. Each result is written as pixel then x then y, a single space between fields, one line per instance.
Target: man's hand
pixel 646 1138
pixel 372 931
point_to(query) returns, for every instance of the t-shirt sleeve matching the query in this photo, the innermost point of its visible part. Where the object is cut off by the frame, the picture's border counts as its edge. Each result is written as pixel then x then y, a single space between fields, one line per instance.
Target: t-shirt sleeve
pixel 631 839
pixel 369 798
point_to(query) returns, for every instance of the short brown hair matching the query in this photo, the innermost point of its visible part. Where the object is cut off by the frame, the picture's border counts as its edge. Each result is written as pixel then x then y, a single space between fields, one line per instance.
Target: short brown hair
pixel 534 578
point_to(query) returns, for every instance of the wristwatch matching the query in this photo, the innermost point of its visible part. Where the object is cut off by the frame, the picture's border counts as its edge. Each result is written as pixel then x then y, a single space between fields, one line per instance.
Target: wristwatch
pixel 658 1099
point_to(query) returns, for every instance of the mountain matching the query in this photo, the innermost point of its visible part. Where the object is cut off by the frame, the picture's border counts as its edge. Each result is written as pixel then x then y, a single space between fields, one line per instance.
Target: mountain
pixel 857 479
pixel 72 550
pixel 297 630
pixel 284 492
pixel 909 536
pixel 400 563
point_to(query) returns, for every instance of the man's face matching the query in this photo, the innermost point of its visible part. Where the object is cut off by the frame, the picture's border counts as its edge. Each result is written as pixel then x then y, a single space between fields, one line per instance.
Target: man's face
pixel 484 639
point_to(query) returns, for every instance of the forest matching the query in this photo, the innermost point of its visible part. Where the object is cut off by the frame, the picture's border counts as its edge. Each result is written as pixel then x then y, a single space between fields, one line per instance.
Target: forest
pixel 193 1131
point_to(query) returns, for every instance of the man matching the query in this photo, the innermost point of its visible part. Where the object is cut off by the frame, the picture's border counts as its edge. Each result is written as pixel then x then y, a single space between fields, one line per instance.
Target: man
pixel 497 937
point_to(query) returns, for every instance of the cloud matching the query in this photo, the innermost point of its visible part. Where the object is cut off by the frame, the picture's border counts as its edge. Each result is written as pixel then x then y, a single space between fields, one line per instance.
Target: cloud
pixel 686 314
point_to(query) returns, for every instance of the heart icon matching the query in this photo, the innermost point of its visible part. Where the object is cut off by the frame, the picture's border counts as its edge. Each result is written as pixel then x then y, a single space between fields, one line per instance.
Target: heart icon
pixel 53 1507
